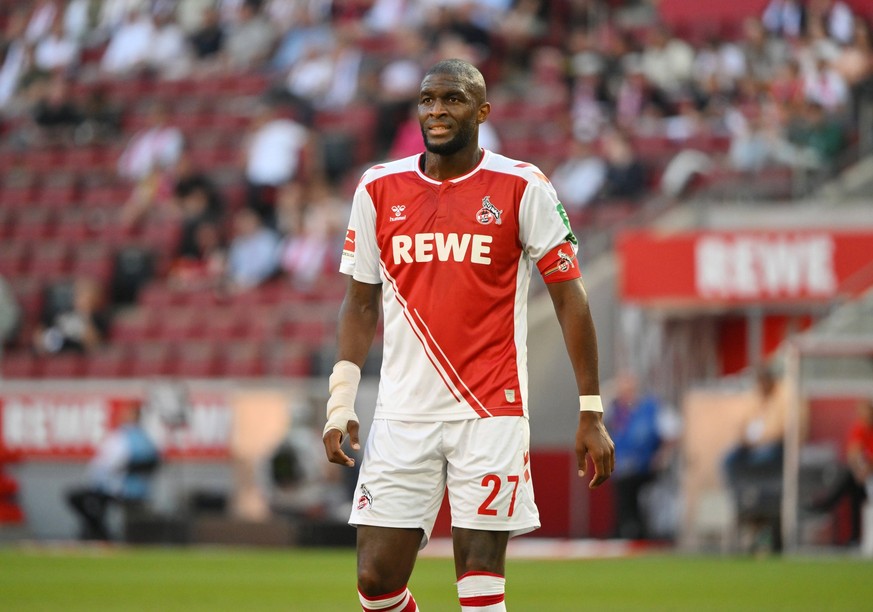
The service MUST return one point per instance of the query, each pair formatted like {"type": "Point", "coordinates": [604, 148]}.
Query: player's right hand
{"type": "Point", "coordinates": [333, 440]}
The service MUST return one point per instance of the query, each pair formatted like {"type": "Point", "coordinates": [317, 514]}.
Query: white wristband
{"type": "Point", "coordinates": [590, 403]}
{"type": "Point", "coordinates": [343, 387]}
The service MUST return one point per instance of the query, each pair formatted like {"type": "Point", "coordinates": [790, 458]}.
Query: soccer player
{"type": "Point", "coordinates": [446, 240]}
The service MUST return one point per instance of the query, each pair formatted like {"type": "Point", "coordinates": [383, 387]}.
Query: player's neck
{"type": "Point", "coordinates": [445, 167]}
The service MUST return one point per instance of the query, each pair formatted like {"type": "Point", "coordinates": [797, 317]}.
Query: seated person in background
{"type": "Point", "coordinates": [855, 480]}
{"type": "Point", "coordinates": [56, 114]}
{"type": "Point", "coordinates": [579, 178]}
{"type": "Point", "coordinates": [759, 450]}
{"type": "Point", "coordinates": [81, 328]}
{"type": "Point", "coordinates": [253, 256]}
{"type": "Point", "coordinates": [625, 174]}
{"type": "Point", "coordinates": [119, 473]}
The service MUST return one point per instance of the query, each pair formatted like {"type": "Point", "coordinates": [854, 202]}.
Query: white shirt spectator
{"type": "Point", "coordinates": [113, 13]}
{"type": "Point", "coordinates": [386, 16]}
{"type": "Point", "coordinates": [14, 65]}
{"type": "Point", "coordinates": [156, 147]}
{"type": "Point", "coordinates": [41, 21]}
{"type": "Point", "coordinates": [783, 18]}
{"type": "Point", "coordinates": [841, 22]}
{"type": "Point", "coordinates": [77, 21]}
{"type": "Point", "coordinates": [169, 52]}
{"type": "Point", "coordinates": [826, 87]}
{"type": "Point", "coordinates": [130, 45]}
{"type": "Point", "coordinates": [274, 152]}
{"type": "Point", "coordinates": [668, 66]}
{"type": "Point", "coordinates": [579, 179]}
{"type": "Point", "coordinates": [56, 51]}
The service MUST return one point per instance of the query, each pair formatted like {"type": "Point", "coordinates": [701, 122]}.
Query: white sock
{"type": "Point", "coordinates": [398, 601]}
{"type": "Point", "coordinates": [482, 592]}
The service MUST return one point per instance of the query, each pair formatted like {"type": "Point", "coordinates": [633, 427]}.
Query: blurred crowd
{"type": "Point", "coordinates": [581, 87]}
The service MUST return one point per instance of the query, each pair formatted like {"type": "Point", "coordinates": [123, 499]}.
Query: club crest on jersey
{"type": "Point", "coordinates": [366, 498]}
{"type": "Point", "coordinates": [489, 213]}
{"type": "Point", "coordinates": [566, 261]}
{"type": "Point", "coordinates": [398, 209]}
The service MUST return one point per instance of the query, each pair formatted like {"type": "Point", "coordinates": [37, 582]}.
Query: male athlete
{"type": "Point", "coordinates": [446, 240]}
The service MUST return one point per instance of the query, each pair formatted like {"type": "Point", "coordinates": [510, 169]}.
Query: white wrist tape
{"type": "Point", "coordinates": [590, 403]}
{"type": "Point", "coordinates": [343, 387]}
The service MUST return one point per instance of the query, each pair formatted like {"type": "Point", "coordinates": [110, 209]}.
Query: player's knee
{"type": "Point", "coordinates": [374, 584]}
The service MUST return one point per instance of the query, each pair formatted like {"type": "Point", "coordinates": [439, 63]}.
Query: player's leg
{"type": "Point", "coordinates": [386, 557]}
{"type": "Point", "coordinates": [400, 489]}
{"type": "Point", "coordinates": [480, 567]}
{"type": "Point", "coordinates": [491, 494]}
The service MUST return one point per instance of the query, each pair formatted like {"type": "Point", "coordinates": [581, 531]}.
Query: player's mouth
{"type": "Point", "coordinates": [438, 129]}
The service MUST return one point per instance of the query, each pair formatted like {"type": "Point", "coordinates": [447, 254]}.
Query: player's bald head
{"type": "Point", "coordinates": [465, 72]}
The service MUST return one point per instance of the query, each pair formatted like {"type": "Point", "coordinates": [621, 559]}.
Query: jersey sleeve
{"type": "Point", "coordinates": [545, 233]}
{"type": "Point", "coordinates": [360, 257]}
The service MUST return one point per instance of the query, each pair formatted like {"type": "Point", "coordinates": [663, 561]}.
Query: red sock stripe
{"type": "Point", "coordinates": [482, 600]}
{"type": "Point", "coordinates": [410, 605]}
{"type": "Point", "coordinates": [383, 597]}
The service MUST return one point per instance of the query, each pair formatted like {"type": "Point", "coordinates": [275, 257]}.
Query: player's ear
{"type": "Point", "coordinates": [484, 111]}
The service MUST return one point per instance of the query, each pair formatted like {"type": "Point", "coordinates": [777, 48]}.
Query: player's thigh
{"type": "Point", "coordinates": [386, 557]}
{"type": "Point", "coordinates": [479, 551]}
{"type": "Point", "coordinates": [488, 475]}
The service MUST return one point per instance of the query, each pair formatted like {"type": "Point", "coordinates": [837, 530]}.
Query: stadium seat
{"type": "Point", "coordinates": [35, 224]}
{"type": "Point", "coordinates": [134, 324]}
{"type": "Point", "coordinates": [111, 361]}
{"type": "Point", "coordinates": [93, 260]}
{"type": "Point", "coordinates": [154, 358]}
{"type": "Point", "coordinates": [20, 364]}
{"type": "Point", "coordinates": [199, 359]}
{"type": "Point", "coordinates": [13, 257]}
{"type": "Point", "coordinates": [242, 359]}
{"type": "Point", "coordinates": [64, 365]}
{"type": "Point", "coordinates": [50, 260]}
{"type": "Point", "coordinates": [290, 359]}
{"type": "Point", "coordinates": [180, 322]}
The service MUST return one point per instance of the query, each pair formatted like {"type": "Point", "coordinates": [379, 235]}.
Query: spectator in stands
{"type": "Point", "coordinates": [275, 150]}
{"type": "Point", "coordinates": [764, 54]}
{"type": "Point", "coordinates": [17, 58]}
{"type": "Point", "coordinates": [207, 41]}
{"type": "Point", "coordinates": [307, 32]}
{"type": "Point", "coordinates": [119, 473]}
{"type": "Point", "coordinates": [79, 20]}
{"type": "Point", "coordinates": [129, 45]}
{"type": "Point", "coordinates": [815, 139]}
{"type": "Point", "coordinates": [169, 54]}
{"type": "Point", "coordinates": [855, 61]}
{"type": "Point", "coordinates": [579, 178]}
{"type": "Point", "coordinates": [327, 77]}
{"type": "Point", "coordinates": [836, 16]}
{"type": "Point", "coordinates": [80, 328]}
{"type": "Point", "coordinates": [387, 16]}
{"type": "Point", "coordinates": [253, 256]}
{"type": "Point", "coordinates": [308, 251]}
{"type": "Point", "coordinates": [643, 439]}
{"type": "Point", "coordinates": [625, 173]}
{"type": "Point", "coordinates": [56, 113]}
{"type": "Point", "coordinates": [636, 95]}
{"type": "Point", "coordinates": [824, 86]}
{"type": "Point", "coordinates": [201, 264]}
{"type": "Point", "coordinates": [57, 50]}
{"type": "Point", "coordinates": [667, 61]}
{"type": "Point", "coordinates": [101, 118]}
{"type": "Point", "coordinates": [158, 145]}
{"type": "Point", "coordinates": [784, 18]}
{"type": "Point", "coordinates": [590, 100]}
{"type": "Point", "coordinates": [251, 39]}
{"type": "Point", "coordinates": [42, 16]}
{"type": "Point", "coordinates": [759, 446]}
{"type": "Point", "coordinates": [855, 479]}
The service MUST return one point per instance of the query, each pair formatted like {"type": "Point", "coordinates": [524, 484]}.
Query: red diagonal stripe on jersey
{"type": "Point", "coordinates": [436, 355]}
{"type": "Point", "coordinates": [420, 335]}
{"type": "Point", "coordinates": [450, 370]}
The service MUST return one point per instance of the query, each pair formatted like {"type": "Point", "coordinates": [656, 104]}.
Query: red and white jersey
{"type": "Point", "coordinates": [454, 260]}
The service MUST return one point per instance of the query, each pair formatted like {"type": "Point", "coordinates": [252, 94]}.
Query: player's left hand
{"type": "Point", "coordinates": [593, 439]}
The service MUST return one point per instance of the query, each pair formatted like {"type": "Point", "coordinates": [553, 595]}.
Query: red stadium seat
{"type": "Point", "coordinates": [133, 325]}
{"type": "Point", "coordinates": [20, 364]}
{"type": "Point", "coordinates": [35, 224]}
{"type": "Point", "coordinates": [50, 260]}
{"type": "Point", "coordinates": [151, 359]}
{"type": "Point", "coordinates": [180, 322]}
{"type": "Point", "coordinates": [290, 359]}
{"type": "Point", "coordinates": [197, 359]}
{"type": "Point", "coordinates": [65, 365]}
{"type": "Point", "coordinates": [243, 359]}
{"type": "Point", "coordinates": [14, 257]}
{"type": "Point", "coordinates": [112, 361]}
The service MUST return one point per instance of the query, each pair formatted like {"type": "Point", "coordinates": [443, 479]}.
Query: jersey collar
{"type": "Point", "coordinates": [485, 154]}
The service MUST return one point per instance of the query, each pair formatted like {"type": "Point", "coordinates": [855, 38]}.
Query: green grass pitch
{"type": "Point", "coordinates": [192, 579]}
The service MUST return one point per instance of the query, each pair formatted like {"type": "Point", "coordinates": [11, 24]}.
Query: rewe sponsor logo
{"type": "Point", "coordinates": [474, 248]}
{"type": "Point", "coordinates": [765, 266]}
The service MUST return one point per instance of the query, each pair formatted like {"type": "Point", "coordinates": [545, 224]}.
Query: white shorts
{"type": "Point", "coordinates": [485, 463]}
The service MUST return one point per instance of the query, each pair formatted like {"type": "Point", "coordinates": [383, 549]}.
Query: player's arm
{"type": "Point", "coordinates": [574, 315]}
{"type": "Point", "coordinates": [359, 316]}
